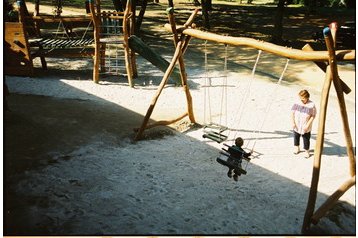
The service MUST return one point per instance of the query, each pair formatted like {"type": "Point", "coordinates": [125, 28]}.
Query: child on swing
{"type": "Point", "coordinates": [236, 155]}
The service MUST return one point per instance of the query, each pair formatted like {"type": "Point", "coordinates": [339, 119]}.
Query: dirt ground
{"type": "Point", "coordinates": [71, 167]}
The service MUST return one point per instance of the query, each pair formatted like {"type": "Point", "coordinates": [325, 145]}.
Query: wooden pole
{"type": "Point", "coordinates": [97, 49]}
{"type": "Point", "coordinates": [323, 67]}
{"type": "Point", "coordinates": [341, 55]}
{"type": "Point", "coordinates": [180, 46]}
{"type": "Point", "coordinates": [37, 8]}
{"type": "Point", "coordinates": [165, 78]}
{"type": "Point", "coordinates": [163, 122]}
{"type": "Point", "coordinates": [140, 17]}
{"type": "Point", "coordinates": [317, 153]}
{"type": "Point", "coordinates": [331, 75]}
{"type": "Point", "coordinates": [181, 60]}
{"type": "Point", "coordinates": [126, 32]}
{"type": "Point", "coordinates": [132, 27]}
{"type": "Point", "coordinates": [328, 204]}
{"type": "Point", "coordinates": [340, 96]}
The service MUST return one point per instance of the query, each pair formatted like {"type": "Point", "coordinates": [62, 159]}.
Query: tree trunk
{"type": "Point", "coordinates": [312, 6]}
{"type": "Point", "coordinates": [140, 16]}
{"type": "Point", "coordinates": [205, 6]}
{"type": "Point", "coordinates": [170, 3]}
{"type": "Point", "coordinates": [197, 3]}
{"type": "Point", "coordinates": [276, 37]}
{"type": "Point", "coordinates": [124, 4]}
{"type": "Point", "coordinates": [118, 5]}
{"type": "Point", "coordinates": [209, 4]}
{"type": "Point", "coordinates": [37, 8]}
{"type": "Point", "coordinates": [351, 4]}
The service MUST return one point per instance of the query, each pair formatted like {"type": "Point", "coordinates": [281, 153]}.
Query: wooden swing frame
{"type": "Point", "coordinates": [326, 60]}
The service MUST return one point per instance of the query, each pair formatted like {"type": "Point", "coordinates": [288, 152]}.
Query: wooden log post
{"type": "Point", "coordinates": [323, 67]}
{"type": "Point", "coordinates": [96, 34]}
{"type": "Point", "coordinates": [37, 8]}
{"type": "Point", "coordinates": [180, 47]}
{"type": "Point", "coordinates": [340, 96]}
{"type": "Point", "coordinates": [140, 17]}
{"type": "Point", "coordinates": [317, 153]}
{"type": "Point", "coordinates": [164, 122]}
{"type": "Point", "coordinates": [329, 203]}
{"type": "Point", "coordinates": [164, 81]}
{"type": "Point", "coordinates": [132, 27]}
{"type": "Point", "coordinates": [342, 55]}
{"type": "Point", "coordinates": [183, 74]}
{"type": "Point", "coordinates": [126, 32]}
{"type": "Point", "coordinates": [331, 75]}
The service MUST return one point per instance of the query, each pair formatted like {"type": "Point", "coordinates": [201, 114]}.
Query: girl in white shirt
{"type": "Point", "coordinates": [303, 114]}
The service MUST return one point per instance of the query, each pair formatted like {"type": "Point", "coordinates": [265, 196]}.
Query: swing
{"type": "Point", "coordinates": [231, 152]}
{"type": "Point", "coordinates": [234, 158]}
{"type": "Point", "coordinates": [269, 104]}
{"type": "Point", "coordinates": [214, 131]}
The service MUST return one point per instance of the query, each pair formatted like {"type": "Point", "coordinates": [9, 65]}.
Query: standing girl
{"type": "Point", "coordinates": [303, 114]}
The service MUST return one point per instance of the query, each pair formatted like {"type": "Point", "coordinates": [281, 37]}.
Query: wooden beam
{"type": "Point", "coordinates": [329, 203]}
{"type": "Point", "coordinates": [164, 81]}
{"type": "Point", "coordinates": [183, 74]}
{"type": "Point", "coordinates": [341, 55]}
{"type": "Point", "coordinates": [126, 32]}
{"type": "Point", "coordinates": [342, 105]}
{"type": "Point", "coordinates": [323, 67]}
{"type": "Point", "coordinates": [331, 75]}
{"type": "Point", "coordinates": [317, 153]}
{"type": "Point", "coordinates": [164, 122]}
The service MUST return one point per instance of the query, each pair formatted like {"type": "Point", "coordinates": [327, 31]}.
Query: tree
{"type": "Point", "coordinates": [206, 6]}
{"type": "Point", "coordinates": [312, 5]}
{"type": "Point", "coordinates": [276, 36]}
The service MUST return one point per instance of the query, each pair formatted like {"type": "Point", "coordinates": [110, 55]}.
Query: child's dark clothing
{"type": "Point", "coordinates": [306, 139]}
{"type": "Point", "coordinates": [235, 158]}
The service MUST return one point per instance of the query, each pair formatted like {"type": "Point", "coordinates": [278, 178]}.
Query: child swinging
{"type": "Point", "coordinates": [234, 158]}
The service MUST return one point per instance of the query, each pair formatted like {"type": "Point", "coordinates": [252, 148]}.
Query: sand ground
{"type": "Point", "coordinates": [73, 169]}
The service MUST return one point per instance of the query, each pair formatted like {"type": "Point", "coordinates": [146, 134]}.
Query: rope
{"type": "Point", "coordinates": [223, 103]}
{"type": "Point", "coordinates": [224, 89]}
{"type": "Point", "coordinates": [207, 84]}
{"type": "Point", "coordinates": [240, 108]}
{"type": "Point", "coordinates": [269, 104]}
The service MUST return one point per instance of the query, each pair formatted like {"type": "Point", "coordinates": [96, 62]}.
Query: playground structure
{"type": "Point", "coordinates": [70, 36]}
{"type": "Point", "coordinates": [326, 60]}
{"type": "Point", "coordinates": [112, 28]}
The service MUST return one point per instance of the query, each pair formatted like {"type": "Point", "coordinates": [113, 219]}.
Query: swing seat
{"type": "Point", "coordinates": [215, 136]}
{"type": "Point", "coordinates": [230, 165]}
{"type": "Point", "coordinates": [234, 154]}
{"type": "Point", "coordinates": [216, 133]}
{"type": "Point", "coordinates": [227, 154]}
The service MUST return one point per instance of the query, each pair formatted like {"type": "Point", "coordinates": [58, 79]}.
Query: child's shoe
{"type": "Point", "coordinates": [229, 174]}
{"type": "Point", "coordinates": [236, 177]}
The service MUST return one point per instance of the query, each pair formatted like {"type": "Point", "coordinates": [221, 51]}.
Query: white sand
{"type": "Point", "coordinates": [174, 185]}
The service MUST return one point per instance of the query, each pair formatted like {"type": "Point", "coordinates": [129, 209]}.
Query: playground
{"type": "Point", "coordinates": [72, 167]}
